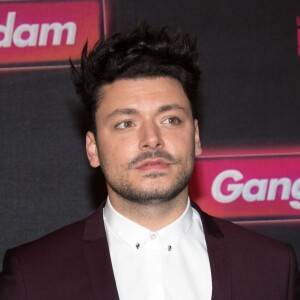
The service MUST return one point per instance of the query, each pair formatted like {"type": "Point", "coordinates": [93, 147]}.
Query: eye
{"type": "Point", "coordinates": [124, 124]}
{"type": "Point", "coordinates": [172, 121]}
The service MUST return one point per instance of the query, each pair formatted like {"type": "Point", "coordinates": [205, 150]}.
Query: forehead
{"type": "Point", "coordinates": [142, 94]}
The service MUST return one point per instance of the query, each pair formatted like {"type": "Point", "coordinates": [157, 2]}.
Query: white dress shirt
{"type": "Point", "coordinates": [169, 264]}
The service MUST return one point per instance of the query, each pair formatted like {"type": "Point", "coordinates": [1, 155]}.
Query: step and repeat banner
{"type": "Point", "coordinates": [249, 111]}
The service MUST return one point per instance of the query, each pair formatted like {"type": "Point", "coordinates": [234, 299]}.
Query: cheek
{"type": "Point", "coordinates": [183, 144]}
{"type": "Point", "coordinates": [116, 151]}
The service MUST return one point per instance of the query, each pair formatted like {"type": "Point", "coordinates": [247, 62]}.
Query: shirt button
{"type": "Point", "coordinates": [153, 236]}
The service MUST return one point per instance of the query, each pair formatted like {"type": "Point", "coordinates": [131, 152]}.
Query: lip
{"type": "Point", "coordinates": [153, 164]}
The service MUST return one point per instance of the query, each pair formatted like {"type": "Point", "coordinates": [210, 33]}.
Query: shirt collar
{"type": "Point", "coordinates": [136, 235]}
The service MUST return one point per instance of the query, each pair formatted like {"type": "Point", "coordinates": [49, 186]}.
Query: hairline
{"type": "Point", "coordinates": [99, 91]}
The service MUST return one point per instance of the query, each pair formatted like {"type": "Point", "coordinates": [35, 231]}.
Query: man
{"type": "Point", "coordinates": [149, 240]}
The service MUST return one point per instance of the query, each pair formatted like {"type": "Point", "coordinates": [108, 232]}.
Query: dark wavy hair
{"type": "Point", "coordinates": [143, 52]}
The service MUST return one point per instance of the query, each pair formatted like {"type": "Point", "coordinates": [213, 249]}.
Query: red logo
{"type": "Point", "coordinates": [260, 186]}
{"type": "Point", "coordinates": [48, 32]}
{"type": "Point", "coordinates": [230, 185]}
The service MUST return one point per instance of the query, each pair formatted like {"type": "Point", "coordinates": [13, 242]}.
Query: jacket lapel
{"type": "Point", "coordinates": [97, 258]}
{"type": "Point", "coordinates": [100, 270]}
{"type": "Point", "coordinates": [219, 257]}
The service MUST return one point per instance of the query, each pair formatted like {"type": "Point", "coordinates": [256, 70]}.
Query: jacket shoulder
{"type": "Point", "coordinates": [61, 246]}
{"type": "Point", "coordinates": [60, 238]}
{"type": "Point", "coordinates": [239, 236]}
{"type": "Point", "coordinates": [46, 267]}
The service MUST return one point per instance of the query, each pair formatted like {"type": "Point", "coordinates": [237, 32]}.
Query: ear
{"type": "Point", "coordinates": [198, 149]}
{"type": "Point", "coordinates": [91, 149]}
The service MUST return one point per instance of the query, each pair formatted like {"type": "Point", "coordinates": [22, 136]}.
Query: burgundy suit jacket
{"type": "Point", "coordinates": [73, 263]}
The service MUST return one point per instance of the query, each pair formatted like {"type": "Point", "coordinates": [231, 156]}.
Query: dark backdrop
{"type": "Point", "coordinates": [250, 95]}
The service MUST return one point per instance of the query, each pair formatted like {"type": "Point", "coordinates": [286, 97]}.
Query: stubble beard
{"type": "Point", "coordinates": [154, 195]}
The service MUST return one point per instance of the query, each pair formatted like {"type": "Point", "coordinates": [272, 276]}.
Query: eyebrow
{"type": "Point", "coordinates": [133, 111]}
{"type": "Point", "coordinates": [123, 111]}
{"type": "Point", "coordinates": [165, 108]}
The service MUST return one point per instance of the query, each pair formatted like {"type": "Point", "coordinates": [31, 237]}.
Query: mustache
{"type": "Point", "coordinates": [153, 154]}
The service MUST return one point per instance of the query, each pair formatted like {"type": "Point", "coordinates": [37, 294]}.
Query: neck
{"type": "Point", "coordinates": [153, 216]}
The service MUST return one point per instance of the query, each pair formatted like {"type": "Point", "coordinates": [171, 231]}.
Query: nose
{"type": "Point", "coordinates": [150, 138]}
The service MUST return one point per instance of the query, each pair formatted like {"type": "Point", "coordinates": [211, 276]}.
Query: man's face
{"type": "Point", "coordinates": [146, 139]}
